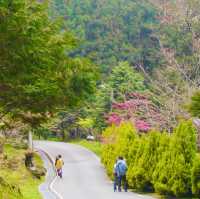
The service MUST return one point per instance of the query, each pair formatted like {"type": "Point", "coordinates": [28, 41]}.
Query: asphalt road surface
{"type": "Point", "coordinates": [83, 175]}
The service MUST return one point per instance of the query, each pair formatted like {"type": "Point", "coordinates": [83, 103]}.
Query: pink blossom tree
{"type": "Point", "coordinates": [140, 110]}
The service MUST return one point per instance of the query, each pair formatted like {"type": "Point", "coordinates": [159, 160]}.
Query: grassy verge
{"type": "Point", "coordinates": [15, 173]}
{"type": "Point", "coordinates": [93, 146]}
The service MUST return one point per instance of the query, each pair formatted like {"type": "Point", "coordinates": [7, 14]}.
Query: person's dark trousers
{"type": "Point", "coordinates": [122, 180]}
{"type": "Point", "coordinates": [59, 171]}
{"type": "Point", "coordinates": [115, 182]}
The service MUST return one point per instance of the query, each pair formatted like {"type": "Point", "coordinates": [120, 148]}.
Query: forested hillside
{"type": "Point", "coordinates": [113, 30]}
{"type": "Point", "coordinates": [158, 39]}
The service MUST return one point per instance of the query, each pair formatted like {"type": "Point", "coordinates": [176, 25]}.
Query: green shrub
{"type": "Point", "coordinates": [9, 190]}
{"type": "Point", "coordinates": [125, 136]}
{"type": "Point", "coordinates": [156, 161]}
{"type": "Point", "coordinates": [173, 171]}
{"type": "Point", "coordinates": [118, 141]}
{"type": "Point", "coordinates": [108, 158]}
{"type": "Point", "coordinates": [196, 176]}
{"type": "Point", "coordinates": [146, 158]}
{"type": "Point", "coordinates": [138, 180]}
{"type": "Point", "coordinates": [160, 175]}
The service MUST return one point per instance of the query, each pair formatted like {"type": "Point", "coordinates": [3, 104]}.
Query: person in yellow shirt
{"type": "Point", "coordinates": [59, 164]}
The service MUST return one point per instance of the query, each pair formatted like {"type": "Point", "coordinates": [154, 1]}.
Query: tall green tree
{"type": "Point", "coordinates": [37, 74]}
{"type": "Point", "coordinates": [123, 79]}
{"type": "Point", "coordinates": [196, 176]}
{"type": "Point", "coordinates": [173, 171]}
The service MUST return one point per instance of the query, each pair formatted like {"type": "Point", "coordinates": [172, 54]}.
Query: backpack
{"type": "Point", "coordinates": [121, 168]}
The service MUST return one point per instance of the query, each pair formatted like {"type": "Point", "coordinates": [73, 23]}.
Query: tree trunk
{"type": "Point", "coordinates": [2, 140]}
{"type": "Point", "coordinates": [30, 140]}
{"type": "Point", "coordinates": [29, 159]}
{"type": "Point", "coordinates": [1, 148]}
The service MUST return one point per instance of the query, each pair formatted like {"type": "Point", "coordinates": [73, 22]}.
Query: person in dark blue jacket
{"type": "Point", "coordinates": [121, 169]}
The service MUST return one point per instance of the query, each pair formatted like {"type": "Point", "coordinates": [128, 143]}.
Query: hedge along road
{"type": "Point", "coordinates": [83, 175]}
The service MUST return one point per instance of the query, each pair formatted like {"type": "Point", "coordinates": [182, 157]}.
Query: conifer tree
{"type": "Point", "coordinates": [37, 75]}
{"type": "Point", "coordinates": [196, 176]}
{"type": "Point", "coordinates": [173, 172]}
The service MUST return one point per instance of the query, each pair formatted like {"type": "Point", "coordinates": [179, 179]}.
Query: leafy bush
{"type": "Point", "coordinates": [173, 172]}
{"type": "Point", "coordinates": [166, 163]}
{"type": "Point", "coordinates": [196, 176]}
{"type": "Point", "coordinates": [108, 158]}
{"type": "Point", "coordinates": [145, 160]}
{"type": "Point", "coordinates": [118, 141]}
{"type": "Point", "coordinates": [9, 190]}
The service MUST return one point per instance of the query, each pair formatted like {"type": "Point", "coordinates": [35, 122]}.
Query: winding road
{"type": "Point", "coordinates": [83, 175]}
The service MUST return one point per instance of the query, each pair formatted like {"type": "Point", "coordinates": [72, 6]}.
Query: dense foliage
{"type": "Point", "coordinates": [168, 164]}
{"type": "Point", "coordinates": [121, 83]}
{"type": "Point", "coordinates": [196, 176]}
{"type": "Point", "coordinates": [113, 31]}
{"type": "Point", "coordinates": [148, 53]}
{"type": "Point", "coordinates": [153, 35]}
{"type": "Point", "coordinates": [194, 106]}
{"type": "Point", "coordinates": [178, 78]}
{"type": "Point", "coordinates": [37, 74]}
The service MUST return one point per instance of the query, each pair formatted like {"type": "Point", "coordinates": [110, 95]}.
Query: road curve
{"type": "Point", "coordinates": [83, 175]}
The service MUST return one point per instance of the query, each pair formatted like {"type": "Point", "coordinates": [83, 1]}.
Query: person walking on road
{"type": "Point", "coordinates": [115, 176]}
{"type": "Point", "coordinates": [59, 164]}
{"type": "Point", "coordinates": [121, 169]}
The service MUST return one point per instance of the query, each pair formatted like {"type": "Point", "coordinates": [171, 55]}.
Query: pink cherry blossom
{"type": "Point", "coordinates": [142, 125]}
{"type": "Point", "coordinates": [114, 118]}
